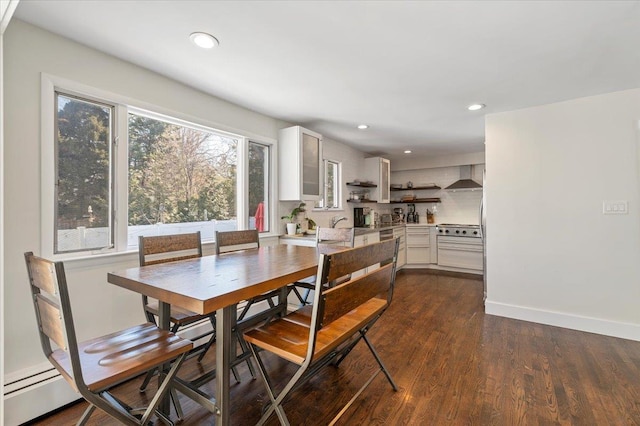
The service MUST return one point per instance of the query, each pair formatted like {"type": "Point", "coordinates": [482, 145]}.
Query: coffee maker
{"type": "Point", "coordinates": [360, 215]}
{"type": "Point", "coordinates": [398, 215]}
{"type": "Point", "coordinates": [412, 215]}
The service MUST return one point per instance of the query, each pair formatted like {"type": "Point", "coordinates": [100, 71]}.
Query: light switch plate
{"type": "Point", "coordinates": [615, 207]}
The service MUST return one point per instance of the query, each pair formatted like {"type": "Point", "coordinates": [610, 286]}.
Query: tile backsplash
{"type": "Point", "coordinates": [455, 207]}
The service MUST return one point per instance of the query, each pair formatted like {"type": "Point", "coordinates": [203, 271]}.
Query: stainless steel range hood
{"type": "Point", "coordinates": [465, 183]}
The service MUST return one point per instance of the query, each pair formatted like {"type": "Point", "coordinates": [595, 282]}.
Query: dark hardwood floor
{"type": "Point", "coordinates": [453, 365]}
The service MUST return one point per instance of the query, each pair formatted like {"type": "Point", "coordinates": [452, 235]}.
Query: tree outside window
{"type": "Point", "coordinates": [182, 177]}
{"type": "Point", "coordinates": [83, 175]}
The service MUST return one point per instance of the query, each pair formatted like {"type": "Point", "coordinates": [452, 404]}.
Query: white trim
{"type": "Point", "coordinates": [7, 8]}
{"type": "Point", "coordinates": [242, 185]}
{"type": "Point", "coordinates": [90, 91]}
{"type": "Point", "coordinates": [121, 179]}
{"type": "Point", "coordinates": [6, 17]}
{"type": "Point", "coordinates": [565, 320]}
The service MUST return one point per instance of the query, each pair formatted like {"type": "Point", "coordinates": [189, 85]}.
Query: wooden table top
{"type": "Point", "coordinates": [206, 284]}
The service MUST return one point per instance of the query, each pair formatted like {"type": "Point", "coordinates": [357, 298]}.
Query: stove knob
{"type": "Point", "coordinates": [457, 231]}
{"type": "Point", "coordinates": [446, 231]}
{"type": "Point", "coordinates": [464, 232]}
{"type": "Point", "coordinates": [475, 232]}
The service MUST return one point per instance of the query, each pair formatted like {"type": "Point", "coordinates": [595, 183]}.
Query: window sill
{"type": "Point", "coordinates": [320, 210]}
{"type": "Point", "coordinates": [128, 257]}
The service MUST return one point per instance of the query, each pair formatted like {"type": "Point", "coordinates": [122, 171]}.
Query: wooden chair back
{"type": "Point", "coordinates": [169, 248]}
{"type": "Point", "coordinates": [93, 367]}
{"type": "Point", "coordinates": [337, 301]}
{"type": "Point", "coordinates": [236, 240]}
{"type": "Point", "coordinates": [335, 236]}
{"type": "Point", "coordinates": [53, 312]}
{"type": "Point", "coordinates": [340, 318]}
{"type": "Point", "coordinates": [162, 249]}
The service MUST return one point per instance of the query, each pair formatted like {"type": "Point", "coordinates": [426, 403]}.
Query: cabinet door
{"type": "Point", "coordinates": [310, 165]}
{"type": "Point", "coordinates": [378, 170]}
{"type": "Point", "coordinates": [418, 245]}
{"type": "Point", "coordinates": [417, 255]}
{"type": "Point", "coordinates": [299, 164]}
{"type": "Point", "coordinates": [363, 240]}
{"type": "Point", "coordinates": [402, 247]}
{"type": "Point", "coordinates": [384, 185]}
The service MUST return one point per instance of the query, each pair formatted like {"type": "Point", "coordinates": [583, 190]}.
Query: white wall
{"type": "Point", "coordinates": [352, 168]}
{"type": "Point", "coordinates": [411, 162]}
{"type": "Point", "coordinates": [553, 257]}
{"type": "Point", "coordinates": [98, 307]}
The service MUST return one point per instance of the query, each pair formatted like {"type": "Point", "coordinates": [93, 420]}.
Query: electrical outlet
{"type": "Point", "coordinates": [615, 207]}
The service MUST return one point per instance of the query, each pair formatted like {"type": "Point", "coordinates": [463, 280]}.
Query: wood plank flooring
{"type": "Point", "coordinates": [453, 364]}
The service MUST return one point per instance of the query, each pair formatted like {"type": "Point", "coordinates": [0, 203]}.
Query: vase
{"type": "Point", "coordinates": [291, 228]}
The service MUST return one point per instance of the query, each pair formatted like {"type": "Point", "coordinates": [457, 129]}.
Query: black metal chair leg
{"type": "Point", "coordinates": [147, 379]}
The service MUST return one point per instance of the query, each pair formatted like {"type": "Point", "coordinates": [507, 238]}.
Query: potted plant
{"type": "Point", "coordinates": [312, 226]}
{"type": "Point", "coordinates": [291, 217]}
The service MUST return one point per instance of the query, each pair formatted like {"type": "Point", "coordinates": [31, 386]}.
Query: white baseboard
{"type": "Point", "coordinates": [565, 320]}
{"type": "Point", "coordinates": [441, 268]}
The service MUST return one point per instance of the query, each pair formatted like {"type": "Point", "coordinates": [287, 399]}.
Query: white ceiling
{"type": "Point", "coordinates": [407, 69]}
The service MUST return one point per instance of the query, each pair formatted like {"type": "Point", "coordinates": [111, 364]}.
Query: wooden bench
{"type": "Point", "coordinates": [338, 319]}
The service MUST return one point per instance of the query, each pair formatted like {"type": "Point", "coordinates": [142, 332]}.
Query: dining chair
{"type": "Point", "coordinates": [327, 331]}
{"type": "Point", "coordinates": [324, 237]}
{"type": "Point", "coordinates": [153, 250]}
{"type": "Point", "coordinates": [230, 241]}
{"type": "Point", "coordinates": [95, 366]}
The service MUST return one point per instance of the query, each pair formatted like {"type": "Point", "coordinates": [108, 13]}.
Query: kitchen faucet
{"type": "Point", "coordinates": [336, 219]}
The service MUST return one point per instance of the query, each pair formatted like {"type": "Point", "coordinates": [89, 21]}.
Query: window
{"type": "Point", "coordinates": [181, 178]}
{"type": "Point", "coordinates": [118, 172]}
{"type": "Point", "coordinates": [83, 195]}
{"type": "Point", "coordinates": [258, 187]}
{"type": "Point", "coordinates": [331, 198]}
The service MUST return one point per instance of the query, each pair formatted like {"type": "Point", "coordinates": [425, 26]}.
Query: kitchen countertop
{"type": "Point", "coordinates": [359, 231]}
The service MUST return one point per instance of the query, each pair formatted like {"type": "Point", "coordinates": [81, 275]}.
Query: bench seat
{"type": "Point", "coordinates": [289, 337]}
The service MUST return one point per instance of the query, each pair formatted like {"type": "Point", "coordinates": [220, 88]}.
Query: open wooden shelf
{"type": "Point", "coordinates": [362, 184]}
{"type": "Point", "coordinates": [416, 188]}
{"type": "Point", "coordinates": [417, 201]}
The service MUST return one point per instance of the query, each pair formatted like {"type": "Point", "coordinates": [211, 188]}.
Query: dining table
{"type": "Point", "coordinates": [217, 284]}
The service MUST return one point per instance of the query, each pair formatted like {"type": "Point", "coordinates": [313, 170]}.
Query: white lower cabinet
{"type": "Point", "coordinates": [418, 245]}
{"type": "Point", "coordinates": [363, 240]}
{"type": "Point", "coordinates": [460, 252]}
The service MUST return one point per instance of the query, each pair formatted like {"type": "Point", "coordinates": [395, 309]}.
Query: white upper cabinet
{"type": "Point", "coordinates": [378, 170]}
{"type": "Point", "coordinates": [299, 165]}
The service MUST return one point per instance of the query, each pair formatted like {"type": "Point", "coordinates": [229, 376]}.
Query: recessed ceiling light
{"type": "Point", "coordinates": [204, 40]}
{"type": "Point", "coordinates": [363, 126]}
{"type": "Point", "coordinates": [475, 107]}
{"type": "Point", "coordinates": [408, 151]}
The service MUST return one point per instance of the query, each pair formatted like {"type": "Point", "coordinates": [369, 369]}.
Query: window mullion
{"type": "Point", "coordinates": [121, 178]}
{"type": "Point", "coordinates": [242, 184]}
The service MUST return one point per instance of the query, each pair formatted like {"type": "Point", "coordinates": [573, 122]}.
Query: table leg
{"type": "Point", "coordinates": [164, 321]}
{"type": "Point", "coordinates": [224, 324]}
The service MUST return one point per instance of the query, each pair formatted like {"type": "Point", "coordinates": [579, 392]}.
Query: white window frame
{"type": "Point", "coordinates": [270, 184]}
{"type": "Point", "coordinates": [124, 105]}
{"type": "Point", "coordinates": [325, 185]}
